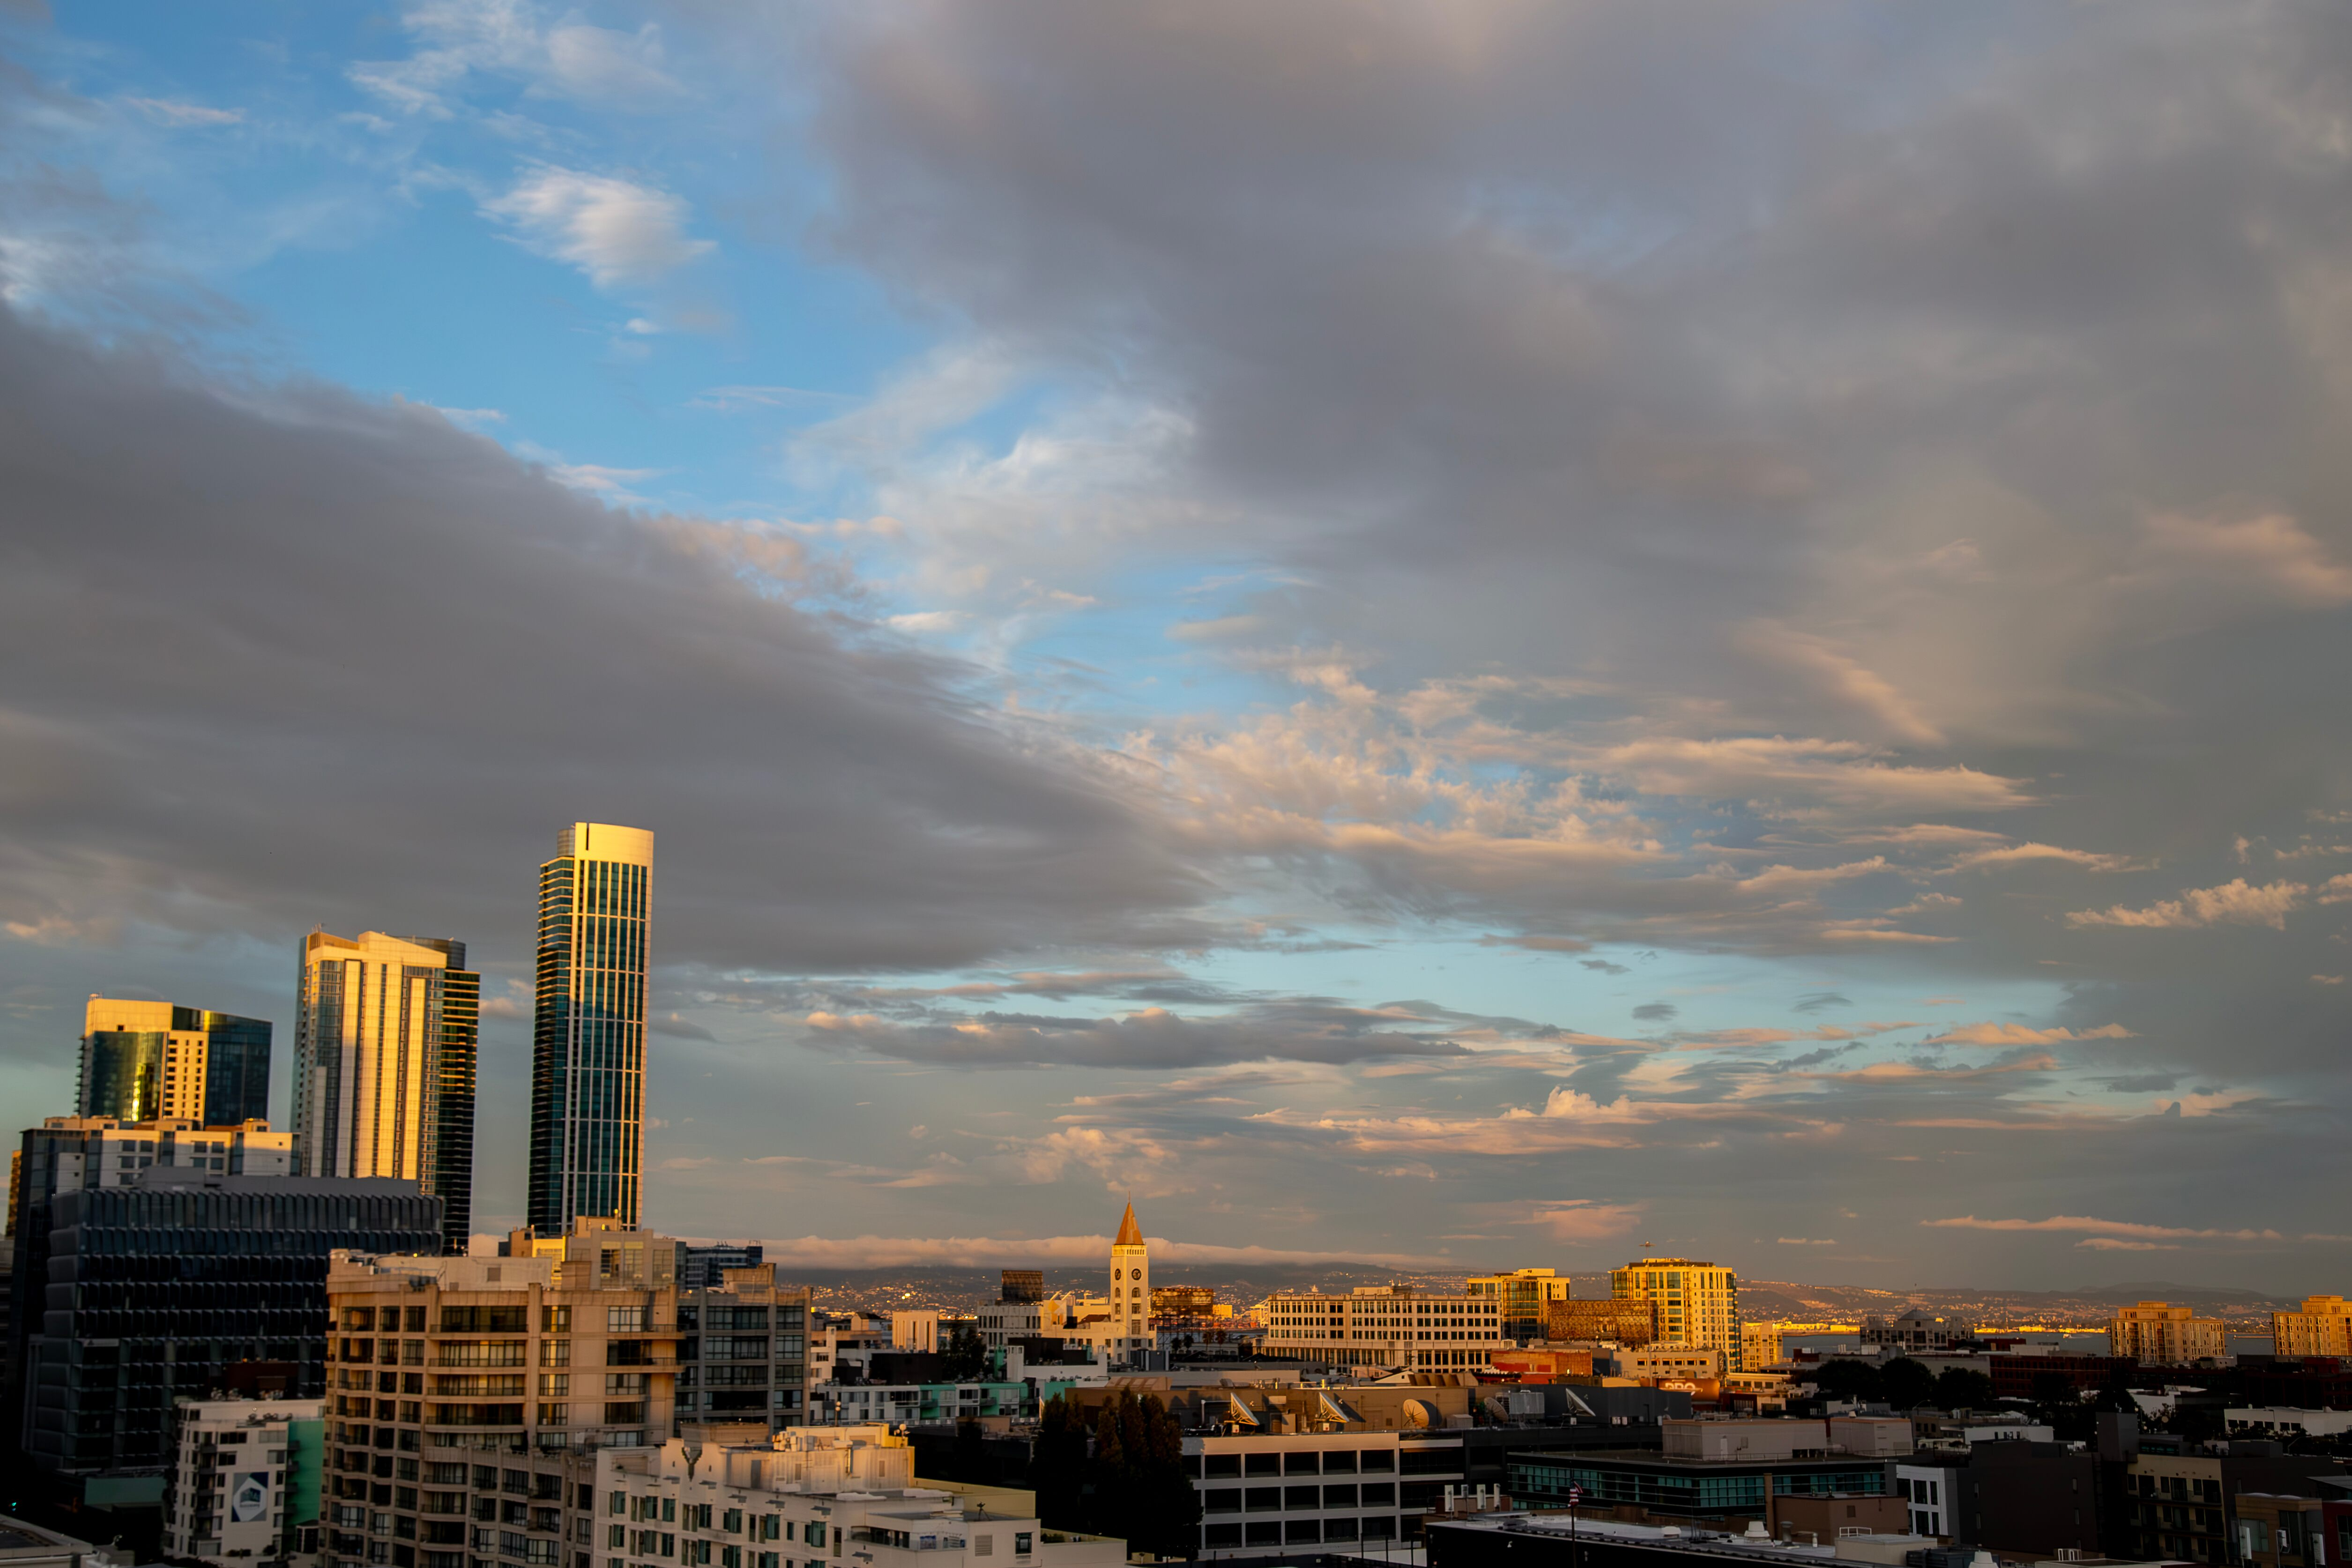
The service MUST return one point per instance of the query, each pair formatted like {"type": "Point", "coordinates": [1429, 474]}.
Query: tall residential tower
{"type": "Point", "coordinates": [384, 1040]}
{"type": "Point", "coordinates": [588, 1032]}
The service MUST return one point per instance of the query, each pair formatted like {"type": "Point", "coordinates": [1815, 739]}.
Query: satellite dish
{"type": "Point", "coordinates": [1417, 1413]}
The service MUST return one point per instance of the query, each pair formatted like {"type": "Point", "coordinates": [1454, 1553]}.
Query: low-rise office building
{"type": "Point", "coordinates": [245, 1480]}
{"type": "Point", "coordinates": [1266, 1495]}
{"type": "Point", "coordinates": [1387, 1326]}
{"type": "Point", "coordinates": [1916, 1329]}
{"type": "Point", "coordinates": [1721, 1471]}
{"type": "Point", "coordinates": [902, 1404]}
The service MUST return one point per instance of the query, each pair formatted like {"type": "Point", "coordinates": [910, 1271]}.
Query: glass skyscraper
{"type": "Point", "coordinates": [384, 1040]}
{"type": "Point", "coordinates": [588, 1036]}
{"type": "Point", "coordinates": [143, 1060]}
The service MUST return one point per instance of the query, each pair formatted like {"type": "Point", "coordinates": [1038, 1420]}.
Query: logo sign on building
{"type": "Point", "coordinates": [248, 1497]}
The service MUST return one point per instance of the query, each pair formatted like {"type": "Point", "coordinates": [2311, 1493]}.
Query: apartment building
{"type": "Point", "coordinates": [469, 1397]}
{"type": "Point", "coordinates": [1695, 1301]}
{"type": "Point", "coordinates": [743, 1349]}
{"type": "Point", "coordinates": [1389, 1326]}
{"type": "Point", "coordinates": [245, 1480]}
{"type": "Point", "coordinates": [2324, 1327]}
{"type": "Point", "coordinates": [2155, 1334]}
{"type": "Point", "coordinates": [809, 1496]}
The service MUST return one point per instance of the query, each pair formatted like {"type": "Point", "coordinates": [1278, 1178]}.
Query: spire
{"type": "Point", "coordinates": [1128, 1236]}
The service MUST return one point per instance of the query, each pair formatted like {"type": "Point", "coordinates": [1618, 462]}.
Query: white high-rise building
{"type": "Point", "coordinates": [1130, 1290]}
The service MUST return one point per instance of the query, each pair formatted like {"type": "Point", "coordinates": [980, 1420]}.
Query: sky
{"type": "Point", "coordinates": [1463, 633]}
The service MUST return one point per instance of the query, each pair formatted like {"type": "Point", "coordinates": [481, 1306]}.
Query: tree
{"type": "Point", "coordinates": [1963, 1388]}
{"type": "Point", "coordinates": [1844, 1379]}
{"type": "Point", "coordinates": [1906, 1384]}
{"type": "Point", "coordinates": [1057, 1466]}
{"type": "Point", "coordinates": [970, 1462]}
{"type": "Point", "coordinates": [1123, 1474]}
{"type": "Point", "coordinates": [966, 1357]}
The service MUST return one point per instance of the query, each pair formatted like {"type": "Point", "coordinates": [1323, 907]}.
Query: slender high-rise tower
{"type": "Point", "coordinates": [588, 1033]}
{"type": "Point", "coordinates": [384, 1035]}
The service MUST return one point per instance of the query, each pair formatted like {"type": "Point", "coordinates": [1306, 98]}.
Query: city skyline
{"type": "Point", "coordinates": [1459, 635]}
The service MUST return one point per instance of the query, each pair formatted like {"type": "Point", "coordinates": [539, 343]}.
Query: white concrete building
{"type": "Point", "coordinates": [245, 1481]}
{"type": "Point", "coordinates": [842, 1493]}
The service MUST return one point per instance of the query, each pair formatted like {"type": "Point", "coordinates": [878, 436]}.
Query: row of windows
{"type": "Point", "coordinates": [1297, 1531]}
{"type": "Point", "coordinates": [1274, 1499]}
{"type": "Point", "coordinates": [1301, 1462]}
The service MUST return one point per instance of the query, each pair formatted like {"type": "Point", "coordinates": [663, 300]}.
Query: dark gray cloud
{"type": "Point", "coordinates": [276, 656]}
{"type": "Point", "coordinates": [1657, 1012]}
{"type": "Point", "coordinates": [1819, 1001]}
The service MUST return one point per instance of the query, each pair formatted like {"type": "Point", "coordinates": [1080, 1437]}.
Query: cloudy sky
{"type": "Point", "coordinates": [1467, 630]}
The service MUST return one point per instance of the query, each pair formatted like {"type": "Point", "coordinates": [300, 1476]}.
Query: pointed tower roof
{"type": "Point", "coordinates": [1128, 1236]}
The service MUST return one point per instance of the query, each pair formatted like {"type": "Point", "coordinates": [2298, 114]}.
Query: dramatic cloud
{"type": "Point", "coordinates": [361, 667]}
{"type": "Point", "coordinates": [2234, 902]}
{"type": "Point", "coordinates": [2018, 1034]}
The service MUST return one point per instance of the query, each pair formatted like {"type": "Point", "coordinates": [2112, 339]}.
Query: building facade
{"type": "Point", "coordinates": [244, 1478]}
{"type": "Point", "coordinates": [743, 1350]}
{"type": "Point", "coordinates": [180, 1285]}
{"type": "Point", "coordinates": [1525, 1296]}
{"type": "Point", "coordinates": [2324, 1327]}
{"type": "Point", "coordinates": [142, 1061]}
{"type": "Point", "coordinates": [1760, 1345]}
{"type": "Point", "coordinates": [588, 1028]}
{"type": "Point", "coordinates": [1387, 1326]}
{"type": "Point", "coordinates": [1917, 1329]}
{"type": "Point", "coordinates": [705, 1268]}
{"type": "Point", "coordinates": [845, 1494]}
{"type": "Point", "coordinates": [1262, 1495]}
{"type": "Point", "coordinates": [2157, 1335]}
{"type": "Point", "coordinates": [1627, 1323]}
{"type": "Point", "coordinates": [469, 1397]}
{"type": "Point", "coordinates": [385, 1034]}
{"type": "Point", "coordinates": [1696, 1303]}
{"type": "Point", "coordinates": [65, 1154]}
